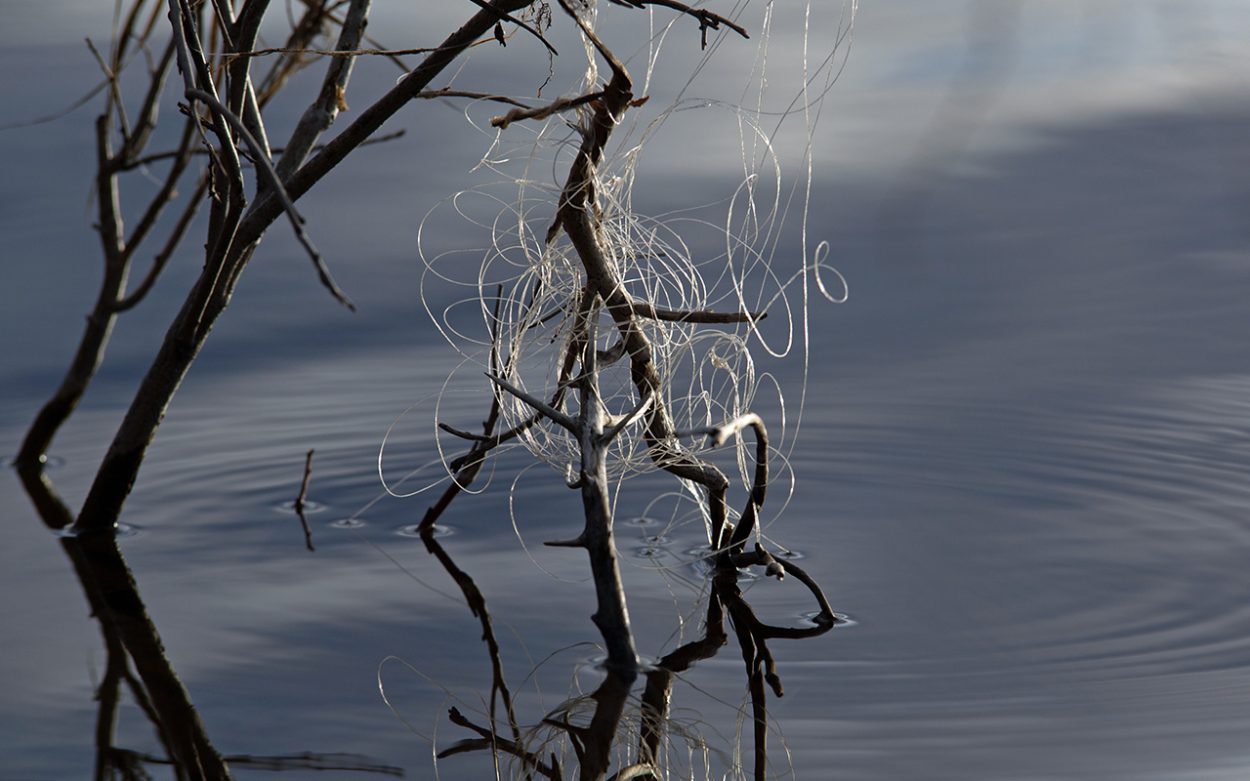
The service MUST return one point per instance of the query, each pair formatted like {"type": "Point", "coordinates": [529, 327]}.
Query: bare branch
{"type": "Point", "coordinates": [331, 52]}
{"type": "Point", "coordinates": [707, 19]}
{"type": "Point", "coordinates": [542, 112]}
{"type": "Point", "coordinates": [469, 435]}
{"type": "Point", "coordinates": [267, 209]}
{"type": "Point", "coordinates": [182, 157]}
{"type": "Point", "coordinates": [538, 404]}
{"type": "Point", "coordinates": [759, 487]}
{"type": "Point", "coordinates": [159, 156]}
{"type": "Point", "coordinates": [138, 138]}
{"type": "Point", "coordinates": [266, 169]}
{"type": "Point", "coordinates": [642, 406]}
{"type": "Point", "coordinates": [114, 89]}
{"type": "Point", "coordinates": [322, 112]}
{"type": "Point", "coordinates": [643, 309]}
{"type": "Point", "coordinates": [43, 119]}
{"type": "Point", "coordinates": [507, 17]}
{"type": "Point", "coordinates": [167, 250]}
{"type": "Point", "coordinates": [301, 497]}
{"type": "Point", "coordinates": [446, 92]}
{"type": "Point", "coordinates": [303, 487]}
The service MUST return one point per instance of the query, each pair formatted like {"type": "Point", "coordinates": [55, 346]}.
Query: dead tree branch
{"type": "Point", "coordinates": [234, 232]}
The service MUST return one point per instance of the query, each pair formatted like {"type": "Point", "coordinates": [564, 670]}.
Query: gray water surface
{"type": "Point", "coordinates": [1021, 470]}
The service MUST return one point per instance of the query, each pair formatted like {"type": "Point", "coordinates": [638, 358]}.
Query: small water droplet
{"type": "Point", "coordinates": [347, 523]}
{"type": "Point", "coordinates": [48, 462]}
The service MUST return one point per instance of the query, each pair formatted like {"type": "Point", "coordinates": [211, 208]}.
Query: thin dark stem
{"type": "Point", "coordinates": [270, 176]}
{"type": "Point", "coordinates": [302, 496]}
{"type": "Point", "coordinates": [477, 606]}
{"type": "Point", "coordinates": [578, 217]}
{"type": "Point", "coordinates": [100, 321]}
{"type": "Point", "coordinates": [171, 243]}
{"type": "Point", "coordinates": [321, 113]}
{"type": "Point", "coordinates": [707, 20]}
{"type": "Point", "coordinates": [182, 157]}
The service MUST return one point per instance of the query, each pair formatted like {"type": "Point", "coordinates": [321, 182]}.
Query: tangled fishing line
{"type": "Point", "coordinates": [526, 286]}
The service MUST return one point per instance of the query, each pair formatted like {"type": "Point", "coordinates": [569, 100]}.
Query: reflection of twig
{"type": "Point", "coordinates": [130, 636]}
{"type": "Point", "coordinates": [303, 495]}
{"type": "Point", "coordinates": [114, 598]}
{"type": "Point", "coordinates": [477, 606]}
{"type": "Point", "coordinates": [753, 635]}
{"type": "Point", "coordinates": [491, 740]}
{"type": "Point", "coordinates": [658, 694]}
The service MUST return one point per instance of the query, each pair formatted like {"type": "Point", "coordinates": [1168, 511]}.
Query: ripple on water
{"type": "Point", "coordinates": [120, 531]}
{"type": "Point", "coordinates": [310, 508]}
{"type": "Point", "coordinates": [1103, 539]}
{"type": "Point", "coordinates": [414, 530]}
{"type": "Point", "coordinates": [840, 620]}
{"type": "Point", "coordinates": [48, 462]}
{"type": "Point", "coordinates": [642, 521]}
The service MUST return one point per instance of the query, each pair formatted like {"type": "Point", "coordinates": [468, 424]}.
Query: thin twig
{"type": "Point", "coordinates": [271, 176]}
{"type": "Point", "coordinates": [577, 216]}
{"type": "Point", "coordinates": [43, 119]}
{"type": "Point", "coordinates": [643, 309]}
{"type": "Point", "coordinates": [159, 156]}
{"type": "Point", "coordinates": [507, 17]}
{"type": "Point", "coordinates": [300, 499]}
{"type": "Point", "coordinates": [325, 108]}
{"type": "Point", "coordinates": [538, 404]}
{"type": "Point", "coordinates": [542, 112]}
{"type": "Point", "coordinates": [611, 433]}
{"type": "Point", "coordinates": [447, 92]}
{"type": "Point", "coordinates": [469, 435]}
{"type": "Point", "coordinates": [167, 191]}
{"type": "Point", "coordinates": [303, 488]}
{"type": "Point", "coordinates": [167, 250]}
{"type": "Point", "coordinates": [329, 52]}
{"type": "Point", "coordinates": [707, 19]}
{"type": "Point", "coordinates": [114, 91]}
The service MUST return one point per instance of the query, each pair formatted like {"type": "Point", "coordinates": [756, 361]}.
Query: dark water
{"type": "Point", "coordinates": [1022, 468]}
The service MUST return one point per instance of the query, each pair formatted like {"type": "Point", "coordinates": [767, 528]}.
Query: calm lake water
{"type": "Point", "coordinates": [1022, 469]}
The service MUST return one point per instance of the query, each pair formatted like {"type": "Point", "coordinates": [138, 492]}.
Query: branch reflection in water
{"type": "Point", "coordinates": [601, 731]}
{"type": "Point", "coordinates": [135, 656]}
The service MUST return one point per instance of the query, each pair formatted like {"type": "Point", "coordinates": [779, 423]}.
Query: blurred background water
{"type": "Point", "coordinates": [1021, 470]}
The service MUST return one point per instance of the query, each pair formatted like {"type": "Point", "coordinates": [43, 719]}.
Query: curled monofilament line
{"type": "Point", "coordinates": [661, 261]}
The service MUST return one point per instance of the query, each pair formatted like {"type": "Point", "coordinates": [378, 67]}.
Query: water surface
{"type": "Point", "coordinates": [1021, 468]}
